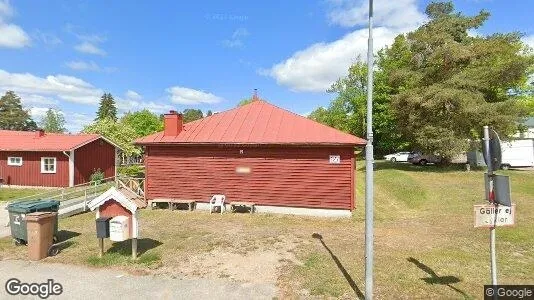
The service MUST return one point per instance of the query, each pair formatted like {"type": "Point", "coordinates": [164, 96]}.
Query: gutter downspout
{"type": "Point", "coordinates": [71, 166]}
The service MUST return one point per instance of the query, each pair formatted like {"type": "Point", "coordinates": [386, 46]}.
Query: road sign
{"type": "Point", "coordinates": [488, 215]}
{"type": "Point", "coordinates": [501, 189]}
{"type": "Point", "coordinates": [494, 151]}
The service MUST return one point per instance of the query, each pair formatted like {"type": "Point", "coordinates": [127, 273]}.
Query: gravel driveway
{"type": "Point", "coordinates": [86, 283]}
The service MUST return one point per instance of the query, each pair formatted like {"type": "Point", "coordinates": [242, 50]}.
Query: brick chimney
{"type": "Point", "coordinates": [173, 123]}
{"type": "Point", "coordinates": [39, 132]}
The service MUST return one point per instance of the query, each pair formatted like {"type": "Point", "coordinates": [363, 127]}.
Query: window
{"type": "Point", "coordinates": [14, 161]}
{"type": "Point", "coordinates": [48, 165]}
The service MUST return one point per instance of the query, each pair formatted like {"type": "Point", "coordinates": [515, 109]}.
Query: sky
{"type": "Point", "coordinates": [162, 55]}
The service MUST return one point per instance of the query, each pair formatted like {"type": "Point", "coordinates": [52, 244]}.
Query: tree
{"type": "Point", "coordinates": [192, 115]}
{"type": "Point", "coordinates": [347, 111]}
{"type": "Point", "coordinates": [117, 132]}
{"type": "Point", "coordinates": [209, 113]}
{"type": "Point", "coordinates": [143, 122]}
{"type": "Point", "coordinates": [107, 108]}
{"type": "Point", "coordinates": [12, 115]}
{"type": "Point", "coordinates": [445, 85]}
{"type": "Point", "coordinates": [53, 121]}
{"type": "Point", "coordinates": [245, 101]}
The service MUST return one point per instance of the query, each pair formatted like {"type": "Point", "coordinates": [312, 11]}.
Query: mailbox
{"type": "Point", "coordinates": [119, 228]}
{"type": "Point", "coordinates": [102, 227]}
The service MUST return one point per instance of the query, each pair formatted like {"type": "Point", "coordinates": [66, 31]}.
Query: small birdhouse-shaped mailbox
{"type": "Point", "coordinates": [116, 218]}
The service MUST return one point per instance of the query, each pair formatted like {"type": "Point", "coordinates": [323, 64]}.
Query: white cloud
{"type": "Point", "coordinates": [529, 40]}
{"type": "Point", "coordinates": [49, 39]}
{"type": "Point", "coordinates": [183, 95]}
{"type": "Point", "coordinates": [80, 65]}
{"type": "Point", "coordinates": [11, 35]}
{"type": "Point", "coordinates": [62, 87]}
{"type": "Point", "coordinates": [124, 105]}
{"type": "Point", "coordinates": [38, 113]}
{"type": "Point", "coordinates": [316, 67]}
{"type": "Point", "coordinates": [29, 99]}
{"type": "Point", "coordinates": [133, 95]}
{"type": "Point", "coordinates": [399, 13]}
{"type": "Point", "coordinates": [236, 41]}
{"type": "Point", "coordinates": [89, 48]}
{"type": "Point", "coordinates": [76, 121]}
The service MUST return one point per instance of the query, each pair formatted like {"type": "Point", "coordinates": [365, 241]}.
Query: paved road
{"type": "Point", "coordinates": [85, 283]}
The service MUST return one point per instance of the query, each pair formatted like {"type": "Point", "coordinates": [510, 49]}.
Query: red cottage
{"type": "Point", "coordinates": [53, 160]}
{"type": "Point", "coordinates": [255, 153]}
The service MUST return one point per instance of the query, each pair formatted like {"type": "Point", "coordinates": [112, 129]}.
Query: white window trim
{"type": "Point", "coordinates": [43, 164]}
{"type": "Point", "coordinates": [9, 163]}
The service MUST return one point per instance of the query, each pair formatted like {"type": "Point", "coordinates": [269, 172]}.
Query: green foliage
{"type": "Point", "coordinates": [97, 177]}
{"type": "Point", "coordinates": [131, 171]}
{"type": "Point", "coordinates": [445, 85]}
{"type": "Point", "coordinates": [245, 102]}
{"type": "Point", "coordinates": [12, 115]}
{"type": "Point", "coordinates": [192, 115]}
{"type": "Point", "coordinates": [53, 121]}
{"type": "Point", "coordinates": [143, 122]}
{"type": "Point", "coordinates": [107, 108]}
{"type": "Point", "coordinates": [347, 112]}
{"type": "Point", "coordinates": [117, 132]}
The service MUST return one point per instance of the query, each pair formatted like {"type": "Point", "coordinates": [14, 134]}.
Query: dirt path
{"type": "Point", "coordinates": [86, 283]}
{"type": "Point", "coordinates": [4, 220]}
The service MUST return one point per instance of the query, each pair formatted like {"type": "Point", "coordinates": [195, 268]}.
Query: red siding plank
{"type": "Point", "coordinates": [282, 176]}
{"type": "Point", "coordinates": [30, 172]}
{"type": "Point", "coordinates": [96, 155]}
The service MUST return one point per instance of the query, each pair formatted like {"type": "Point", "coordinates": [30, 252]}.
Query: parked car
{"type": "Point", "coordinates": [418, 158]}
{"type": "Point", "coordinates": [399, 156]}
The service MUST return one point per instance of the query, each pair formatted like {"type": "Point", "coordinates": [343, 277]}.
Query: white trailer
{"type": "Point", "coordinates": [515, 153]}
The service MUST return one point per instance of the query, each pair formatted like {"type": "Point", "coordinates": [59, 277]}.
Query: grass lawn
{"type": "Point", "coordinates": [425, 243]}
{"type": "Point", "coordinates": [11, 193]}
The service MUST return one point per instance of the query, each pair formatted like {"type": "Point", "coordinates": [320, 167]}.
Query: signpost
{"type": "Point", "coordinates": [497, 192]}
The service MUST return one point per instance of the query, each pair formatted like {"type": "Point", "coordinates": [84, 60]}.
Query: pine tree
{"type": "Point", "coordinates": [209, 113]}
{"type": "Point", "coordinates": [107, 108]}
{"type": "Point", "coordinates": [53, 121]}
{"type": "Point", "coordinates": [12, 115]}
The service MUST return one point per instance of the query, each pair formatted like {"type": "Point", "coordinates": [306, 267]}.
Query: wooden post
{"type": "Point", "coordinates": [134, 248]}
{"type": "Point", "coordinates": [101, 244]}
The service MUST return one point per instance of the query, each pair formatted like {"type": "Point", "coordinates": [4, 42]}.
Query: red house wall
{"type": "Point", "coordinates": [98, 154]}
{"type": "Point", "coordinates": [30, 171]}
{"type": "Point", "coordinates": [281, 176]}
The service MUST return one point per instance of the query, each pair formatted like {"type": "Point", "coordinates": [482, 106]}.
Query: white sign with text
{"type": "Point", "coordinates": [488, 215]}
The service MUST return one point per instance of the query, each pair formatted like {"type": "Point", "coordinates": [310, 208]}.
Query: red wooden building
{"type": "Point", "coordinates": [53, 160]}
{"type": "Point", "coordinates": [256, 153]}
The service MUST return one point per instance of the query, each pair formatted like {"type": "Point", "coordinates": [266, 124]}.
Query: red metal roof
{"type": "Point", "coordinates": [258, 122]}
{"type": "Point", "coordinates": [30, 141]}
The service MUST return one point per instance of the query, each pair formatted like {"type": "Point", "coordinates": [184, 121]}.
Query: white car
{"type": "Point", "coordinates": [397, 157]}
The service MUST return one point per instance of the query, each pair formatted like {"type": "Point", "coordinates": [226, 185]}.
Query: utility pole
{"type": "Point", "coordinates": [369, 169]}
{"type": "Point", "coordinates": [491, 197]}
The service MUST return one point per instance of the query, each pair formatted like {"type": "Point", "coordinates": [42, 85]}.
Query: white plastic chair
{"type": "Point", "coordinates": [217, 200]}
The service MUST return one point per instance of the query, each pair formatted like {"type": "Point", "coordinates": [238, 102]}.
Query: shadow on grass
{"type": "Point", "coordinates": [340, 266]}
{"type": "Point", "coordinates": [64, 239]}
{"type": "Point", "coordinates": [436, 279]}
{"type": "Point", "coordinates": [125, 247]}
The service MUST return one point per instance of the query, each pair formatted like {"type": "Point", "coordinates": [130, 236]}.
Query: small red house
{"type": "Point", "coordinates": [53, 160]}
{"type": "Point", "coordinates": [256, 153]}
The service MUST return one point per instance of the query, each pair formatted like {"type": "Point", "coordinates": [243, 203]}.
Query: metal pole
{"type": "Point", "coordinates": [491, 200]}
{"type": "Point", "coordinates": [369, 169]}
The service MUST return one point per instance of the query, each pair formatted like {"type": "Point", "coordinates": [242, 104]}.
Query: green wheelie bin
{"type": "Point", "coordinates": [17, 217]}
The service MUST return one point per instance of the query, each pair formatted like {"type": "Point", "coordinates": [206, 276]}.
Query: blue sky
{"type": "Point", "coordinates": [165, 55]}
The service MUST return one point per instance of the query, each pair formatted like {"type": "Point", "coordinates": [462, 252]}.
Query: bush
{"type": "Point", "coordinates": [97, 177]}
{"type": "Point", "coordinates": [132, 171]}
